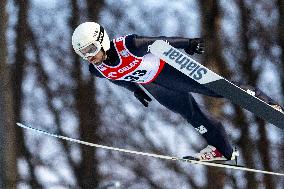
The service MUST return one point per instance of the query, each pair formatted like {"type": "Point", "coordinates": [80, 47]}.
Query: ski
{"type": "Point", "coordinates": [216, 83]}
{"type": "Point", "coordinates": [192, 161]}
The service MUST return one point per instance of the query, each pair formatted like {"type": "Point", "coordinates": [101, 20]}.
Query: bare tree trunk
{"type": "Point", "coordinates": [210, 13]}
{"type": "Point", "coordinates": [94, 9]}
{"type": "Point", "coordinates": [20, 58]}
{"type": "Point", "coordinates": [88, 173]}
{"type": "Point", "coordinates": [245, 142]}
{"type": "Point", "coordinates": [18, 68]}
{"type": "Point", "coordinates": [3, 73]}
{"type": "Point", "coordinates": [251, 77]}
{"type": "Point", "coordinates": [281, 67]}
{"type": "Point", "coordinates": [281, 39]}
{"type": "Point", "coordinates": [265, 151]}
{"type": "Point", "coordinates": [246, 65]}
{"type": "Point", "coordinates": [8, 161]}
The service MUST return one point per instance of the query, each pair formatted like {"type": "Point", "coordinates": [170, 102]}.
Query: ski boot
{"type": "Point", "coordinates": [210, 153]}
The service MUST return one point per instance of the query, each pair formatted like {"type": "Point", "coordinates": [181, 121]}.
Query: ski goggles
{"type": "Point", "coordinates": [90, 50]}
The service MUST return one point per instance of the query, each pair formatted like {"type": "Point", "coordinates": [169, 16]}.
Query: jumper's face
{"type": "Point", "coordinates": [93, 53]}
{"type": "Point", "coordinates": [98, 58]}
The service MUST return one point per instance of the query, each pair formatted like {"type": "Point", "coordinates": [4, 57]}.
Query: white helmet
{"type": "Point", "coordinates": [90, 33]}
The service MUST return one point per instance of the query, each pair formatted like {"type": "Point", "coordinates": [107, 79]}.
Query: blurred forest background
{"type": "Point", "coordinates": [45, 85]}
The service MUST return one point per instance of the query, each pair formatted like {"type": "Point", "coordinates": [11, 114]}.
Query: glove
{"type": "Point", "coordinates": [196, 45]}
{"type": "Point", "coordinates": [142, 97]}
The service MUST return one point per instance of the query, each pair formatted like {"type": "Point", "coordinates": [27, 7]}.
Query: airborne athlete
{"type": "Point", "coordinates": [126, 62]}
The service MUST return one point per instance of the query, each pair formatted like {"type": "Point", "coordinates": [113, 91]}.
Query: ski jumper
{"type": "Point", "coordinates": [168, 86]}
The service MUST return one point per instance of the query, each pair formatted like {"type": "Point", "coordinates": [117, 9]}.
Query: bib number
{"type": "Point", "coordinates": [135, 76]}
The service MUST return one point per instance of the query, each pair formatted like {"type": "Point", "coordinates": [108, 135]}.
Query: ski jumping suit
{"type": "Point", "coordinates": [128, 58]}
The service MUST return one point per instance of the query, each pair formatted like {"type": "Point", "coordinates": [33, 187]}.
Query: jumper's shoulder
{"type": "Point", "coordinates": [94, 71]}
{"type": "Point", "coordinates": [128, 37]}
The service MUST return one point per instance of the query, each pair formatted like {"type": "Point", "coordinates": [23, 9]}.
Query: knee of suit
{"type": "Point", "coordinates": [209, 128]}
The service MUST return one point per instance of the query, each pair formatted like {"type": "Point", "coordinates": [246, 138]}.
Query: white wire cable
{"type": "Point", "coordinates": [150, 154]}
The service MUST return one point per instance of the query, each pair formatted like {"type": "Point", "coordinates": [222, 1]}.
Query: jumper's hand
{"type": "Point", "coordinates": [196, 45]}
{"type": "Point", "coordinates": [142, 97]}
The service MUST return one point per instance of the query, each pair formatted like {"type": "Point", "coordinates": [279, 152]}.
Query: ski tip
{"type": "Point", "coordinates": [23, 126]}
{"type": "Point", "coordinates": [19, 124]}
